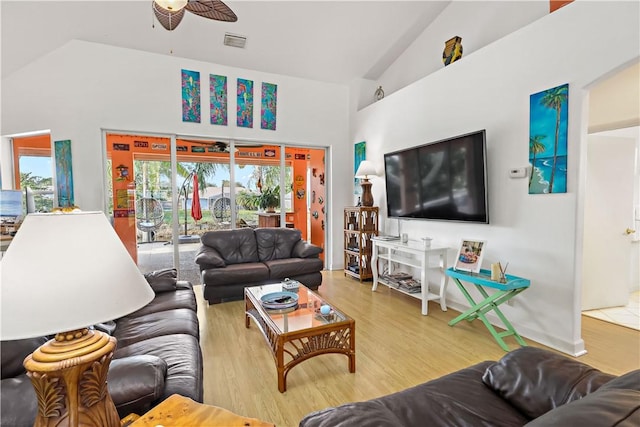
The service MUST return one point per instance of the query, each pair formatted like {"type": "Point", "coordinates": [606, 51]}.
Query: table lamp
{"type": "Point", "coordinates": [63, 273]}
{"type": "Point", "coordinates": [365, 170]}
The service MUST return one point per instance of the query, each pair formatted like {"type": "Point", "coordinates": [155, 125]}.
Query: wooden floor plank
{"type": "Point", "coordinates": [396, 348]}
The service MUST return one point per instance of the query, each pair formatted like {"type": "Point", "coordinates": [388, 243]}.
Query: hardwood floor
{"type": "Point", "coordinates": [396, 348]}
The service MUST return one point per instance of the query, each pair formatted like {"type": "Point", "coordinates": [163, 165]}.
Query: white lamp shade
{"type": "Point", "coordinates": [66, 271]}
{"type": "Point", "coordinates": [366, 169]}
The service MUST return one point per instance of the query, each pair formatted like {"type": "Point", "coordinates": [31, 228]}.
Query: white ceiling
{"type": "Point", "coordinates": [333, 41]}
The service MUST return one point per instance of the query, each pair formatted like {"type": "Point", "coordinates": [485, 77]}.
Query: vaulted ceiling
{"type": "Point", "coordinates": [332, 41]}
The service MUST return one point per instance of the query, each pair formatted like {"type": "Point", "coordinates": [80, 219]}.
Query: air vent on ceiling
{"type": "Point", "coordinates": [235, 40]}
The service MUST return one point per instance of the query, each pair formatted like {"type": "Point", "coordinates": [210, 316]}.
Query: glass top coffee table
{"type": "Point", "coordinates": [297, 333]}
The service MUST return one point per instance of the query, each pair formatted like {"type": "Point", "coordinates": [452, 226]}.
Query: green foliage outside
{"type": "Point", "coordinates": [43, 202]}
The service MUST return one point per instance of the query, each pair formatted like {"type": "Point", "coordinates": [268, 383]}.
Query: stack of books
{"type": "Point", "coordinates": [409, 285]}
{"type": "Point", "coordinates": [396, 277]}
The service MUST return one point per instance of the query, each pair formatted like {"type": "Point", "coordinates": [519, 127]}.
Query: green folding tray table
{"type": "Point", "coordinates": [503, 293]}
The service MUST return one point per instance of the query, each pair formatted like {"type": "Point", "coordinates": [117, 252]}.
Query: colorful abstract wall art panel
{"type": "Point", "coordinates": [548, 122]}
{"type": "Point", "coordinates": [218, 99]}
{"type": "Point", "coordinates": [359, 154]}
{"type": "Point", "coordinates": [64, 173]}
{"type": "Point", "coordinates": [245, 103]}
{"type": "Point", "coordinates": [190, 96]}
{"type": "Point", "coordinates": [269, 104]}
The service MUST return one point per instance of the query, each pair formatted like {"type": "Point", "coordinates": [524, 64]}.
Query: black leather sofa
{"type": "Point", "coordinates": [230, 260]}
{"type": "Point", "coordinates": [528, 386]}
{"type": "Point", "coordinates": [158, 354]}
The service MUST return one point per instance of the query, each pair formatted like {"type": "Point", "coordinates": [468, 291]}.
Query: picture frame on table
{"type": "Point", "coordinates": [470, 255]}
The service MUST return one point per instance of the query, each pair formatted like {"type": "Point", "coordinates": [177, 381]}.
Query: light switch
{"type": "Point", "coordinates": [519, 172]}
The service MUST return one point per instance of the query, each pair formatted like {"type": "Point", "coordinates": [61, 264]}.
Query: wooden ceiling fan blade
{"type": "Point", "coordinates": [212, 9]}
{"type": "Point", "coordinates": [167, 19]}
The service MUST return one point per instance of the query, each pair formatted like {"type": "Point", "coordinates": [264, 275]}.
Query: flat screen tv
{"type": "Point", "coordinates": [444, 180]}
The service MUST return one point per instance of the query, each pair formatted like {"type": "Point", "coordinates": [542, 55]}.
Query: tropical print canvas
{"type": "Point", "coordinates": [269, 103]}
{"type": "Point", "coordinates": [190, 96]}
{"type": "Point", "coordinates": [548, 123]}
{"type": "Point", "coordinates": [245, 104]}
{"type": "Point", "coordinates": [359, 154]}
{"type": "Point", "coordinates": [218, 99]}
{"type": "Point", "coordinates": [64, 173]}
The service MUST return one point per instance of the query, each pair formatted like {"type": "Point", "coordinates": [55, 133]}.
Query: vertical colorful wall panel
{"type": "Point", "coordinates": [245, 103]}
{"type": "Point", "coordinates": [317, 203]}
{"type": "Point", "coordinates": [359, 154]}
{"type": "Point", "coordinates": [269, 104]}
{"type": "Point", "coordinates": [190, 96]}
{"type": "Point", "coordinates": [64, 173]}
{"type": "Point", "coordinates": [218, 99]}
{"type": "Point", "coordinates": [548, 121]}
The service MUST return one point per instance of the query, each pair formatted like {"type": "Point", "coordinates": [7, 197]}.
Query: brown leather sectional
{"type": "Point", "coordinates": [158, 354]}
{"type": "Point", "coordinates": [528, 386]}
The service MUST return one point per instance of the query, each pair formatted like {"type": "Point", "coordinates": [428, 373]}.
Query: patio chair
{"type": "Point", "coordinates": [149, 216]}
{"type": "Point", "coordinates": [221, 209]}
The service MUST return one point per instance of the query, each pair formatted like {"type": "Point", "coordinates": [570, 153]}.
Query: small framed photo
{"type": "Point", "coordinates": [470, 256]}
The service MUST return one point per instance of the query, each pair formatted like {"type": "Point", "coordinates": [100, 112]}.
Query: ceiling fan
{"type": "Point", "coordinates": [171, 12]}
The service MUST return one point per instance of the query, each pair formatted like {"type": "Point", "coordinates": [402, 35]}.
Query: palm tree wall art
{"type": "Point", "coordinates": [548, 122]}
{"type": "Point", "coordinates": [64, 173]}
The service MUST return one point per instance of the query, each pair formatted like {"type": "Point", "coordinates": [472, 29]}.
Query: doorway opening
{"type": "Point", "coordinates": [611, 235]}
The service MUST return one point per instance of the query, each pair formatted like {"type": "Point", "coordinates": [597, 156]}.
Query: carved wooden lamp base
{"type": "Point", "coordinates": [367, 196]}
{"type": "Point", "coordinates": [69, 374]}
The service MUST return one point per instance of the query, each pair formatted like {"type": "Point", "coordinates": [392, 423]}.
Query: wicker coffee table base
{"type": "Point", "coordinates": [291, 348]}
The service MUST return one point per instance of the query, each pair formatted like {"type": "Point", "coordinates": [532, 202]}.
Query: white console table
{"type": "Point", "coordinates": [415, 255]}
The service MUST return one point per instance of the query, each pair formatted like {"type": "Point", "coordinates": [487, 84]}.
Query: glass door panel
{"type": "Point", "coordinates": [258, 174]}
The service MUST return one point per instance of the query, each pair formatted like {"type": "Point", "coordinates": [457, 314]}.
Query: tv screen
{"type": "Point", "coordinates": [10, 203]}
{"type": "Point", "coordinates": [444, 180]}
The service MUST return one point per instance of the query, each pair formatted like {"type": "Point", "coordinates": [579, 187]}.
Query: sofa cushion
{"type": "Point", "coordinates": [136, 381]}
{"type": "Point", "coordinates": [162, 280]}
{"type": "Point", "coordinates": [361, 414]}
{"type": "Point", "coordinates": [536, 381]}
{"type": "Point", "coordinates": [456, 399]}
{"type": "Point", "coordinates": [18, 402]}
{"type": "Point", "coordinates": [236, 273]}
{"type": "Point", "coordinates": [235, 246]}
{"type": "Point", "coordinates": [304, 249]}
{"type": "Point", "coordinates": [182, 354]}
{"type": "Point", "coordinates": [208, 257]}
{"type": "Point", "coordinates": [181, 298]}
{"type": "Point", "coordinates": [178, 321]}
{"type": "Point", "coordinates": [630, 381]}
{"type": "Point", "coordinates": [276, 243]}
{"type": "Point", "coordinates": [289, 267]}
{"type": "Point", "coordinates": [14, 352]}
{"type": "Point", "coordinates": [610, 407]}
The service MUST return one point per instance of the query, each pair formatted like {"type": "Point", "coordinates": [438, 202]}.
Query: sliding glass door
{"type": "Point", "coordinates": [160, 210]}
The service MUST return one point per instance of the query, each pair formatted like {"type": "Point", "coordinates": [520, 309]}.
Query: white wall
{"type": "Point", "coordinates": [84, 87]}
{"type": "Point", "coordinates": [490, 90]}
{"type": "Point", "coordinates": [479, 23]}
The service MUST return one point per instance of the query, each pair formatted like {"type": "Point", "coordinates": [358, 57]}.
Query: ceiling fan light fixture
{"type": "Point", "coordinates": [170, 12]}
{"type": "Point", "coordinates": [172, 5]}
{"type": "Point", "coordinates": [235, 40]}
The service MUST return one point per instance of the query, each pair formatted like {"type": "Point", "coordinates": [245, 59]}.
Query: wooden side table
{"type": "Point", "coordinates": [180, 411]}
